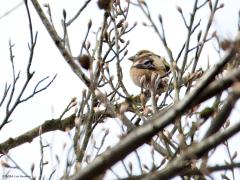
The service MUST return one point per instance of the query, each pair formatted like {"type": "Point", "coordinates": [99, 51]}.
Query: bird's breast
{"type": "Point", "coordinates": [137, 75]}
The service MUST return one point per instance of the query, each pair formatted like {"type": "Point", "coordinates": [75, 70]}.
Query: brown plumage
{"type": "Point", "coordinates": [146, 65]}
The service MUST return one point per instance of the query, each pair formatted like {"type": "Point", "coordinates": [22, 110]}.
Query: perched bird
{"type": "Point", "coordinates": [149, 69]}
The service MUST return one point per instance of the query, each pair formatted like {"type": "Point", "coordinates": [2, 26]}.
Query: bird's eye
{"type": "Point", "coordinates": [144, 64]}
{"type": "Point", "coordinates": [148, 64]}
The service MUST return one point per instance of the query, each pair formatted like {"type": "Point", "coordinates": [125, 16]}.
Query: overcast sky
{"type": "Point", "coordinates": [48, 61]}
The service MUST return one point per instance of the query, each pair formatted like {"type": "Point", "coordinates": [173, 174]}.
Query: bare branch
{"type": "Point", "coordinates": [78, 13]}
{"type": "Point", "coordinates": [60, 45]}
{"type": "Point", "coordinates": [144, 133]}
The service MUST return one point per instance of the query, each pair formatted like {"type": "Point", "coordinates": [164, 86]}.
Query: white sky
{"type": "Point", "coordinates": [48, 61]}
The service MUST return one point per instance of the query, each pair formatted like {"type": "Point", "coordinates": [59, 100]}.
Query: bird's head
{"type": "Point", "coordinates": [141, 54]}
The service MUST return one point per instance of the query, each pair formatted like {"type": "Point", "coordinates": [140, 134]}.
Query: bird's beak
{"type": "Point", "coordinates": [132, 58]}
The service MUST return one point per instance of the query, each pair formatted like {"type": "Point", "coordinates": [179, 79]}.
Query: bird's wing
{"type": "Point", "coordinates": [144, 64]}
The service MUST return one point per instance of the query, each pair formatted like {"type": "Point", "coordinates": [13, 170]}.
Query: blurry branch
{"type": "Point", "coordinates": [135, 100]}
{"type": "Point", "coordinates": [143, 6]}
{"type": "Point", "coordinates": [49, 12]}
{"type": "Point", "coordinates": [16, 166]}
{"type": "Point", "coordinates": [113, 43]}
{"type": "Point", "coordinates": [78, 13]}
{"type": "Point", "coordinates": [63, 125]}
{"type": "Point", "coordinates": [36, 90]}
{"type": "Point", "coordinates": [231, 157]}
{"type": "Point", "coordinates": [60, 44]}
{"type": "Point", "coordinates": [157, 123]}
{"type": "Point", "coordinates": [88, 132]}
{"type": "Point", "coordinates": [47, 126]}
{"type": "Point", "coordinates": [209, 169]}
{"type": "Point", "coordinates": [85, 39]}
{"type": "Point", "coordinates": [111, 109]}
{"type": "Point", "coordinates": [33, 40]}
{"type": "Point", "coordinates": [65, 38]}
{"type": "Point", "coordinates": [11, 10]}
{"type": "Point", "coordinates": [42, 163]}
{"type": "Point", "coordinates": [239, 20]}
{"type": "Point", "coordinates": [6, 89]}
{"type": "Point", "coordinates": [50, 125]}
{"type": "Point", "coordinates": [218, 86]}
{"type": "Point", "coordinates": [221, 117]}
{"type": "Point", "coordinates": [201, 42]}
{"type": "Point", "coordinates": [118, 67]}
{"type": "Point", "coordinates": [11, 103]}
{"type": "Point", "coordinates": [71, 61]}
{"type": "Point", "coordinates": [100, 41]}
{"type": "Point", "coordinates": [88, 116]}
{"type": "Point", "coordinates": [70, 105]}
{"type": "Point", "coordinates": [98, 49]}
{"type": "Point", "coordinates": [190, 29]}
{"type": "Point", "coordinates": [106, 132]}
{"type": "Point", "coordinates": [69, 122]}
{"type": "Point", "coordinates": [191, 171]}
{"type": "Point", "coordinates": [195, 152]}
